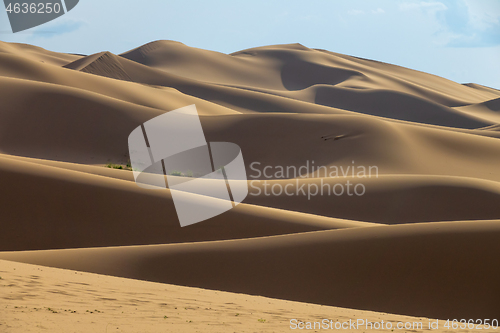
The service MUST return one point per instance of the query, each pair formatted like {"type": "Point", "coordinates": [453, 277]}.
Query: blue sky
{"type": "Point", "coordinates": [456, 39]}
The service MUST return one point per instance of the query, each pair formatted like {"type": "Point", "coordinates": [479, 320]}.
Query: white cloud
{"type": "Point", "coordinates": [483, 15]}
{"type": "Point", "coordinates": [361, 12]}
{"type": "Point", "coordinates": [59, 27]}
{"type": "Point", "coordinates": [431, 6]}
{"type": "Point", "coordinates": [378, 11]}
{"type": "Point", "coordinates": [472, 24]}
{"type": "Point", "coordinates": [355, 12]}
{"type": "Point", "coordinates": [461, 23]}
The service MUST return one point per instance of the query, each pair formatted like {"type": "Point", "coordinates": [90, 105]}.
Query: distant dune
{"type": "Point", "coordinates": [422, 240]}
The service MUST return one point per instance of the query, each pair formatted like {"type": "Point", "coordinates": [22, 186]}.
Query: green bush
{"type": "Point", "coordinates": [119, 166]}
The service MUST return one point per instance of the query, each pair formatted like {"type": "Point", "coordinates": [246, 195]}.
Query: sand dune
{"type": "Point", "coordinates": [487, 110]}
{"type": "Point", "coordinates": [104, 63]}
{"type": "Point", "coordinates": [427, 269]}
{"type": "Point", "coordinates": [395, 148]}
{"type": "Point", "coordinates": [124, 305]}
{"type": "Point", "coordinates": [70, 209]}
{"type": "Point", "coordinates": [422, 240]}
{"type": "Point", "coordinates": [387, 199]}
{"type": "Point", "coordinates": [336, 82]}
{"type": "Point", "coordinates": [101, 126]}
{"type": "Point", "coordinates": [482, 88]}
{"type": "Point", "coordinates": [36, 53]}
{"type": "Point", "coordinates": [294, 67]}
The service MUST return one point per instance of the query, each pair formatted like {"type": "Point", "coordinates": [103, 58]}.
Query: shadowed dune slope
{"type": "Point", "coordinates": [165, 99]}
{"type": "Point", "coordinates": [482, 88]}
{"type": "Point", "coordinates": [36, 53]}
{"type": "Point", "coordinates": [428, 269]}
{"type": "Point", "coordinates": [46, 207]}
{"type": "Point", "coordinates": [85, 127]}
{"type": "Point", "coordinates": [256, 82]}
{"type": "Point", "coordinates": [273, 140]}
{"type": "Point", "coordinates": [103, 63]}
{"type": "Point", "coordinates": [396, 105]}
{"type": "Point", "coordinates": [387, 199]}
{"type": "Point", "coordinates": [295, 67]}
{"type": "Point", "coordinates": [489, 110]}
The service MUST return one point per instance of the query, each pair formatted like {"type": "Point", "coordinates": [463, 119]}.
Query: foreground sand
{"type": "Point", "coordinates": [43, 299]}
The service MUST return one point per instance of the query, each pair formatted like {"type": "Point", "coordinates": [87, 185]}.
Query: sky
{"type": "Point", "coordinates": [455, 39]}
